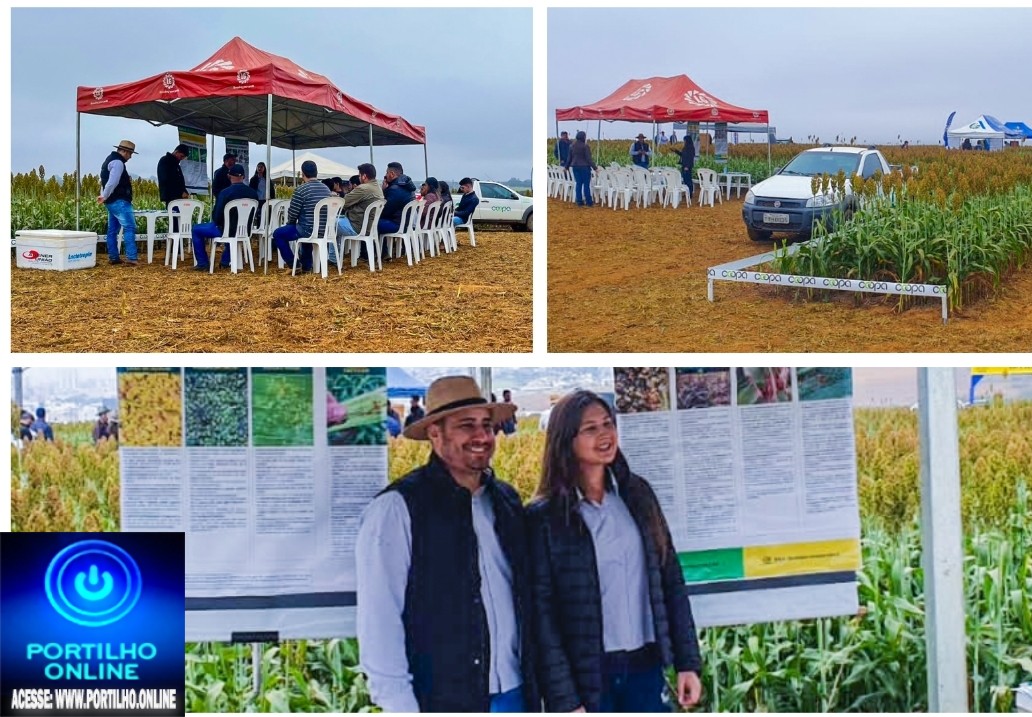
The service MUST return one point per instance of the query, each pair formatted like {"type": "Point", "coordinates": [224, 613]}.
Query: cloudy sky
{"type": "Point", "coordinates": [477, 114]}
{"type": "Point", "coordinates": [870, 73]}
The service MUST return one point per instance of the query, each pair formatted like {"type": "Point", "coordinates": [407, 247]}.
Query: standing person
{"type": "Point", "coordinates": [562, 148]}
{"type": "Point", "coordinates": [508, 426]}
{"type": "Point", "coordinates": [443, 580]}
{"type": "Point", "coordinates": [673, 138]}
{"type": "Point", "coordinates": [25, 432]}
{"type": "Point", "coordinates": [301, 219]}
{"type": "Point", "coordinates": [609, 595]}
{"type": "Point", "coordinates": [467, 204]}
{"type": "Point", "coordinates": [221, 179]}
{"type": "Point", "coordinates": [662, 137]}
{"type": "Point", "coordinates": [257, 183]}
{"type": "Point", "coordinates": [102, 428]}
{"type": "Point", "coordinates": [40, 425]}
{"type": "Point", "coordinates": [416, 411]}
{"type": "Point", "coordinates": [117, 195]}
{"type": "Point", "coordinates": [640, 151]}
{"type": "Point", "coordinates": [171, 182]}
{"type": "Point", "coordinates": [580, 161]}
{"type": "Point", "coordinates": [687, 162]}
{"type": "Point", "coordinates": [216, 228]}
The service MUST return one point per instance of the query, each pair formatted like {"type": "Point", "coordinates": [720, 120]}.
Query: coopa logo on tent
{"type": "Point", "coordinates": [640, 92]}
{"type": "Point", "coordinates": [243, 76]}
{"type": "Point", "coordinates": [169, 83]}
{"type": "Point", "coordinates": [700, 98]}
{"type": "Point", "coordinates": [98, 93]}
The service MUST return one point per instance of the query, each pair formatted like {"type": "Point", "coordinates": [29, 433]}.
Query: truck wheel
{"type": "Point", "coordinates": [527, 226]}
{"type": "Point", "coordinates": [758, 234]}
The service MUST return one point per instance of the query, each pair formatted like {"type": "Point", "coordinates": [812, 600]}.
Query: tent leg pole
{"type": "Point", "coordinates": [211, 182]}
{"type": "Point", "coordinates": [557, 136]}
{"type": "Point", "coordinates": [78, 172]}
{"type": "Point", "coordinates": [268, 174]}
{"type": "Point", "coordinates": [371, 145]}
{"type": "Point", "coordinates": [426, 162]}
{"type": "Point", "coordinates": [768, 149]}
{"type": "Point", "coordinates": [293, 161]}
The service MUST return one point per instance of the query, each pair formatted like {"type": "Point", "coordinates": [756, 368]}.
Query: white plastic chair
{"type": "Point", "coordinates": [709, 188]}
{"type": "Point", "coordinates": [444, 227]}
{"type": "Point", "coordinates": [241, 239]}
{"type": "Point", "coordinates": [675, 188]}
{"type": "Point", "coordinates": [368, 235]}
{"type": "Point", "coordinates": [405, 237]}
{"type": "Point", "coordinates": [468, 226]}
{"type": "Point", "coordinates": [277, 218]}
{"type": "Point", "coordinates": [426, 236]}
{"type": "Point", "coordinates": [181, 238]}
{"type": "Point", "coordinates": [321, 240]}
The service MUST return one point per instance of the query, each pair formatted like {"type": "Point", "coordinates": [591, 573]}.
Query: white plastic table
{"type": "Point", "coordinates": [738, 180]}
{"type": "Point", "coordinates": [152, 216]}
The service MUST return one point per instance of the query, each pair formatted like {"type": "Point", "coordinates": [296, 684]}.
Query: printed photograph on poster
{"type": "Point", "coordinates": [817, 384]}
{"type": "Point", "coordinates": [356, 406]}
{"type": "Point", "coordinates": [281, 407]}
{"type": "Point", "coordinates": [764, 385]}
{"type": "Point", "coordinates": [641, 390]}
{"type": "Point", "coordinates": [216, 406]}
{"type": "Point", "coordinates": [150, 406]}
{"type": "Point", "coordinates": [703, 387]}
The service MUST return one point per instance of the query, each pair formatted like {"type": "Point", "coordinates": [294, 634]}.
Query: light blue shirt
{"type": "Point", "coordinates": [383, 554]}
{"type": "Point", "coordinates": [620, 557]}
{"type": "Point", "coordinates": [115, 167]}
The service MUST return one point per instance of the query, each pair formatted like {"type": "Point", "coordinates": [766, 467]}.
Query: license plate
{"type": "Point", "coordinates": [775, 218]}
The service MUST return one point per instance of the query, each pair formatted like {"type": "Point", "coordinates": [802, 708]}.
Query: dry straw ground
{"type": "Point", "coordinates": [636, 281]}
{"type": "Point", "coordinates": [476, 300]}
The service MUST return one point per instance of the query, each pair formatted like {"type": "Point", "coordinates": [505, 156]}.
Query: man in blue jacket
{"type": "Point", "coordinates": [237, 189]}
{"type": "Point", "coordinates": [398, 190]}
{"type": "Point", "coordinates": [468, 203]}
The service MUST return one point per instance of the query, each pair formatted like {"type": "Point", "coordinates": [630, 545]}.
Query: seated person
{"type": "Point", "coordinates": [445, 191]}
{"type": "Point", "coordinates": [301, 220]}
{"type": "Point", "coordinates": [429, 191]}
{"type": "Point", "coordinates": [365, 193]}
{"type": "Point", "coordinates": [398, 190]}
{"type": "Point", "coordinates": [237, 189]}
{"type": "Point", "coordinates": [336, 186]}
{"type": "Point", "coordinates": [468, 203]}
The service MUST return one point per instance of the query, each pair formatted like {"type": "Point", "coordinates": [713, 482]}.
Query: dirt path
{"type": "Point", "coordinates": [635, 281]}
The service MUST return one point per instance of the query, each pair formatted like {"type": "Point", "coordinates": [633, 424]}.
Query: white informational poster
{"type": "Point", "coordinates": [755, 469]}
{"type": "Point", "coordinates": [720, 140]}
{"type": "Point", "coordinates": [267, 471]}
{"type": "Point", "coordinates": [195, 164]}
{"type": "Point", "coordinates": [241, 149]}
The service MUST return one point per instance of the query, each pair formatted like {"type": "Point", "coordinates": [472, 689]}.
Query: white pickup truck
{"type": "Point", "coordinates": [785, 202]}
{"type": "Point", "coordinates": [501, 205]}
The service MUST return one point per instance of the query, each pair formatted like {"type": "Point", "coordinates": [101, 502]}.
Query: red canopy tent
{"type": "Point", "coordinates": [661, 99]}
{"type": "Point", "coordinates": [244, 92]}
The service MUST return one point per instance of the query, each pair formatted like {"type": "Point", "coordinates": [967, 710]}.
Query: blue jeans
{"type": "Point", "coordinates": [282, 238]}
{"type": "Point", "coordinates": [582, 176]}
{"type": "Point", "coordinates": [120, 215]}
{"type": "Point", "coordinates": [459, 221]}
{"type": "Point", "coordinates": [344, 228]}
{"type": "Point", "coordinates": [686, 177]}
{"type": "Point", "coordinates": [511, 701]}
{"type": "Point", "coordinates": [201, 232]}
{"type": "Point", "coordinates": [386, 226]}
{"type": "Point", "coordinates": [629, 690]}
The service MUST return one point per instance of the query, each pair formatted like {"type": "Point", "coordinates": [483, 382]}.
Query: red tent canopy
{"type": "Point", "coordinates": [228, 95]}
{"type": "Point", "coordinates": [662, 99]}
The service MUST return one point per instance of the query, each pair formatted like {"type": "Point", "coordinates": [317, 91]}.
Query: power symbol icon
{"type": "Point", "coordinates": [87, 593]}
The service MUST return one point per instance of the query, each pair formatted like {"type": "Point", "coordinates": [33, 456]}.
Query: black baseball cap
{"type": "Point", "coordinates": [237, 170]}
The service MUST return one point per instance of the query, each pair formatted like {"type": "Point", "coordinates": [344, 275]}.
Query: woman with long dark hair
{"type": "Point", "coordinates": [611, 605]}
{"type": "Point", "coordinates": [257, 183]}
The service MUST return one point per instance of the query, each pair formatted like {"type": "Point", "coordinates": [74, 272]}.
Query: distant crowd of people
{"type": "Point", "coordinates": [228, 183]}
{"type": "Point", "coordinates": [36, 428]}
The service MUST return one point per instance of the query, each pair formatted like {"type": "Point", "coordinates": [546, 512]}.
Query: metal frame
{"type": "Point", "coordinates": [736, 271]}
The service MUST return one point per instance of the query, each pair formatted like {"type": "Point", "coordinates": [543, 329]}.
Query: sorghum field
{"type": "Point", "coordinates": [874, 661]}
{"type": "Point", "coordinates": [636, 280]}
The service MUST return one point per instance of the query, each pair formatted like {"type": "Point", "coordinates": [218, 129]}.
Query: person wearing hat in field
{"type": "Point", "coordinates": [220, 180]}
{"type": "Point", "coordinates": [171, 182]}
{"type": "Point", "coordinates": [441, 557]}
{"type": "Point", "coordinates": [117, 195]}
{"type": "Point", "coordinates": [25, 432]}
{"type": "Point", "coordinates": [640, 151]}
{"type": "Point", "coordinates": [237, 189]}
{"type": "Point", "coordinates": [301, 219]}
{"type": "Point", "coordinates": [102, 428]}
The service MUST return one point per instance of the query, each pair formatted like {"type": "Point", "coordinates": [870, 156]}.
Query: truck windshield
{"type": "Point", "coordinates": [810, 163]}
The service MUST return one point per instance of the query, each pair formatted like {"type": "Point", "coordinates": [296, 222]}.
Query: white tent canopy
{"type": "Point", "coordinates": [327, 167]}
{"type": "Point", "coordinates": [985, 128]}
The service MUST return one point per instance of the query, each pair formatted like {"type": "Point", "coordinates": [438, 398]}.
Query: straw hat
{"type": "Point", "coordinates": [452, 394]}
{"type": "Point", "coordinates": [127, 145]}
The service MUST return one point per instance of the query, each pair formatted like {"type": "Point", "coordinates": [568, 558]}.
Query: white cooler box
{"type": "Point", "coordinates": [55, 249]}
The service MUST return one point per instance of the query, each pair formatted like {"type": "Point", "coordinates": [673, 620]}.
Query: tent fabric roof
{"type": "Point", "coordinates": [227, 95]}
{"type": "Point", "coordinates": [1025, 130]}
{"type": "Point", "coordinates": [327, 167]}
{"type": "Point", "coordinates": [662, 99]}
{"type": "Point", "coordinates": [985, 126]}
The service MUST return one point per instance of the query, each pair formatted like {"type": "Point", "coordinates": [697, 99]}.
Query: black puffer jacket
{"type": "Point", "coordinates": [568, 600]}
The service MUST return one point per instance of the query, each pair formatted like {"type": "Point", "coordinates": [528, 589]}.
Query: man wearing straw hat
{"type": "Point", "coordinates": [117, 195]}
{"type": "Point", "coordinates": [640, 151]}
{"type": "Point", "coordinates": [441, 561]}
